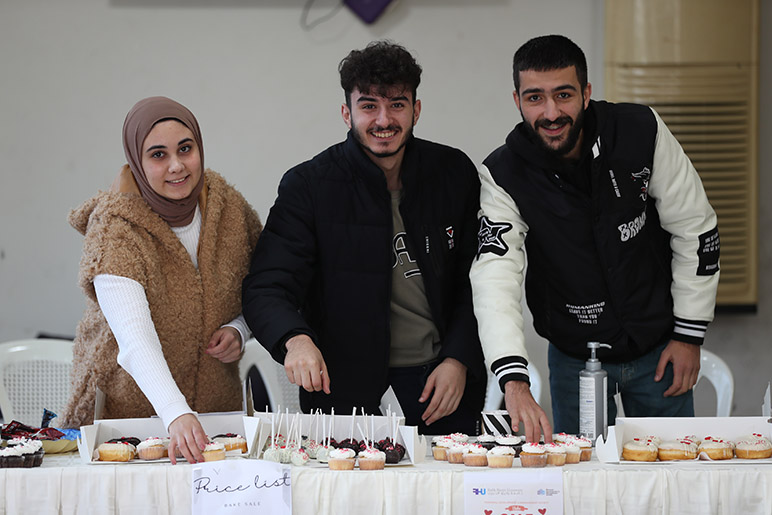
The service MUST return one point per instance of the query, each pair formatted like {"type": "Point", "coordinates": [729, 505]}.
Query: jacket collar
{"type": "Point", "coordinates": [368, 170]}
{"type": "Point", "coordinates": [520, 141]}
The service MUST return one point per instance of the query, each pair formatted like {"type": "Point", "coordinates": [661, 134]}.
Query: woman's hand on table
{"type": "Point", "coordinates": [186, 433]}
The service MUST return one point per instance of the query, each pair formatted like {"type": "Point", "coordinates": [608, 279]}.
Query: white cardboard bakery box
{"type": "Point", "coordinates": [100, 431]}
{"type": "Point", "coordinates": [728, 428]}
{"type": "Point", "coordinates": [344, 426]}
{"type": "Point", "coordinates": [256, 429]}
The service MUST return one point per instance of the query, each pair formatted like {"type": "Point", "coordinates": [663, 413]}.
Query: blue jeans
{"type": "Point", "coordinates": [641, 396]}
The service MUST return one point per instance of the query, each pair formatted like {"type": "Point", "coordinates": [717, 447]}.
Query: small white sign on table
{"type": "Point", "coordinates": [518, 491]}
{"type": "Point", "coordinates": [241, 486]}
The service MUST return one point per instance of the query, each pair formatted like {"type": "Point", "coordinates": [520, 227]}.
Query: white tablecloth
{"type": "Point", "coordinates": [64, 485]}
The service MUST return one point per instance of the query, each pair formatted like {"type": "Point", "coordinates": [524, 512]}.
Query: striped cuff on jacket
{"type": "Point", "coordinates": [511, 368]}
{"type": "Point", "coordinates": [689, 331]}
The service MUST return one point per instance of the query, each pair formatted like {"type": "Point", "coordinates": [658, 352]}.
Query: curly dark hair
{"type": "Point", "coordinates": [381, 65]}
{"type": "Point", "coordinates": [547, 53]}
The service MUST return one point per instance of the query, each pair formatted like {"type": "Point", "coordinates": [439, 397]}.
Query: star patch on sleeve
{"type": "Point", "coordinates": [490, 238]}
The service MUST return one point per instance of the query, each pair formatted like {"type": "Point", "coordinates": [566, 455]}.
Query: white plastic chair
{"type": "Point", "coordinates": [281, 393]}
{"type": "Point", "coordinates": [715, 370]}
{"type": "Point", "coordinates": [34, 374]}
{"type": "Point", "coordinates": [494, 396]}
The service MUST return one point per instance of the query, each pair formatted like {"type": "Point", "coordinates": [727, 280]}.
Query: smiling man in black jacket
{"type": "Point", "coordinates": [622, 247]}
{"type": "Point", "coordinates": [360, 278]}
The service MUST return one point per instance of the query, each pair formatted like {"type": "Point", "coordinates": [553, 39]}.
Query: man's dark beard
{"type": "Point", "coordinates": [571, 139]}
{"type": "Point", "coordinates": [380, 154]}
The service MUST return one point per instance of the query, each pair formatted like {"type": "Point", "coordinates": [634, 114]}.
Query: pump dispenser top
{"type": "Point", "coordinates": [594, 363]}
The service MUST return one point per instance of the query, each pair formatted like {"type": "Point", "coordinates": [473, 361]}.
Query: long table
{"type": "Point", "coordinates": [63, 484]}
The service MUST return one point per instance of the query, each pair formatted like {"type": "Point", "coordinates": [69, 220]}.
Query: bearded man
{"type": "Point", "coordinates": [622, 247]}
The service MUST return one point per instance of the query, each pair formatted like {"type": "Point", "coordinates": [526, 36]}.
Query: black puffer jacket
{"type": "Point", "coordinates": [323, 263]}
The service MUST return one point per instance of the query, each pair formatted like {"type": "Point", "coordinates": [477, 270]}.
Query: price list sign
{"type": "Point", "coordinates": [514, 492]}
{"type": "Point", "coordinates": [234, 487]}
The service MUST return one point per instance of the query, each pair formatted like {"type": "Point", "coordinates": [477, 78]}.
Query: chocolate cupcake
{"type": "Point", "coordinates": [11, 457]}
{"type": "Point", "coordinates": [514, 441]}
{"type": "Point", "coordinates": [487, 441]}
{"type": "Point", "coordinates": [39, 457]}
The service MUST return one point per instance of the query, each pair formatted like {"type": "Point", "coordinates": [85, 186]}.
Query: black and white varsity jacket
{"type": "Point", "coordinates": [632, 262]}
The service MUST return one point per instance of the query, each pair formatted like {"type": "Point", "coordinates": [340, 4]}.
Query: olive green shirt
{"type": "Point", "coordinates": [414, 336]}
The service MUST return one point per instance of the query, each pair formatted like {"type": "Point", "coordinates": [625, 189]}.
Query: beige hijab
{"type": "Point", "coordinates": [139, 122]}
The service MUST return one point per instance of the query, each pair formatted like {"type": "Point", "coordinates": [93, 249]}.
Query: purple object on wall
{"type": "Point", "coordinates": [368, 10]}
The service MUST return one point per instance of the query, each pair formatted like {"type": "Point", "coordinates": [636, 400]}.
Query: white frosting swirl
{"type": "Point", "coordinates": [214, 446]}
{"type": "Point", "coordinates": [150, 442]}
{"type": "Point", "coordinates": [458, 447]}
{"type": "Point", "coordinates": [502, 450]}
{"type": "Point", "coordinates": [533, 448]}
{"type": "Point", "coordinates": [445, 442]}
{"type": "Point", "coordinates": [342, 454]}
{"type": "Point", "coordinates": [476, 449]}
{"type": "Point", "coordinates": [583, 442]}
{"type": "Point", "coordinates": [14, 450]}
{"type": "Point", "coordinates": [554, 448]}
{"type": "Point", "coordinates": [508, 440]}
{"type": "Point", "coordinates": [571, 446]}
{"type": "Point", "coordinates": [372, 454]}
{"type": "Point", "coordinates": [561, 437]}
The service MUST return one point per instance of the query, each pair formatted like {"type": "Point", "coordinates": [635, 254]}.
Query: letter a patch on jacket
{"type": "Point", "coordinates": [490, 238]}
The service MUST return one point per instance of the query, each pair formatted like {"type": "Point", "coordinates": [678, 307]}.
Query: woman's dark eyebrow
{"type": "Point", "coordinates": [157, 147]}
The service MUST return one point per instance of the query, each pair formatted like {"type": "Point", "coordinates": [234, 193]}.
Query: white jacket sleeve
{"type": "Point", "coordinates": [124, 305]}
{"type": "Point", "coordinates": [685, 213]}
{"type": "Point", "coordinates": [497, 282]}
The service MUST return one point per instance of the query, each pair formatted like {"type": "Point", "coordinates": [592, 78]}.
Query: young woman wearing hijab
{"type": "Point", "coordinates": [164, 254]}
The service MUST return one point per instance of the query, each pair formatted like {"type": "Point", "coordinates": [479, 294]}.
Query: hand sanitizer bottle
{"type": "Point", "coordinates": [593, 407]}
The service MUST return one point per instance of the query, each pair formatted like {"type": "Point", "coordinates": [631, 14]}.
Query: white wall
{"type": "Point", "coordinates": [267, 97]}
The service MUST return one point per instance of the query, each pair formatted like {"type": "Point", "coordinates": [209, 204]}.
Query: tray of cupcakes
{"type": "Point", "coordinates": [337, 442]}
{"type": "Point", "coordinates": [144, 440]}
{"type": "Point", "coordinates": [507, 450]}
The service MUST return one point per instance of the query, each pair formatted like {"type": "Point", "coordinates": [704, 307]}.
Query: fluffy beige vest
{"type": "Point", "coordinates": [124, 237]}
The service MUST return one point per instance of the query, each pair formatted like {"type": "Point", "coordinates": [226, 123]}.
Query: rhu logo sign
{"type": "Point", "coordinates": [478, 491]}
